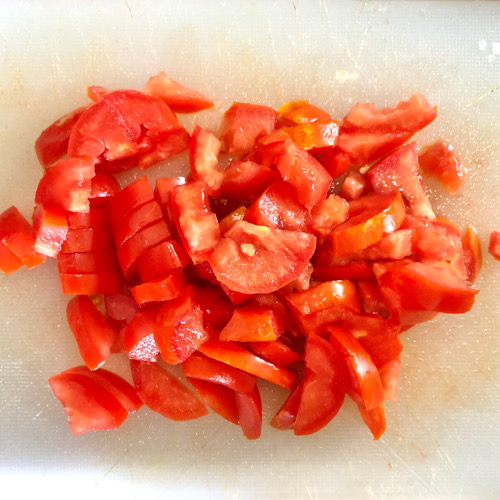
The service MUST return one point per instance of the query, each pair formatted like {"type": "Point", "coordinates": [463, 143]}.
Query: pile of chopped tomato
{"type": "Point", "coordinates": [300, 262]}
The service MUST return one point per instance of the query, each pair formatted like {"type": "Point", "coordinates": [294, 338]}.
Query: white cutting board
{"type": "Point", "coordinates": [442, 439]}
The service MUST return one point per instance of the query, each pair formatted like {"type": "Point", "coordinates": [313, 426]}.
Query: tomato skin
{"type": "Point", "coordinates": [416, 286]}
{"type": "Point", "coordinates": [399, 171]}
{"type": "Point", "coordinates": [197, 225]}
{"type": "Point", "coordinates": [473, 258]}
{"type": "Point", "coordinates": [159, 289]}
{"type": "Point", "coordinates": [93, 334]}
{"type": "Point", "coordinates": [203, 160]}
{"type": "Point", "coordinates": [87, 263]}
{"type": "Point", "coordinates": [16, 234]}
{"type": "Point", "coordinates": [88, 404]}
{"type": "Point", "coordinates": [179, 99]}
{"type": "Point", "coordinates": [50, 229]}
{"type": "Point", "coordinates": [52, 143]}
{"type": "Point", "coordinates": [494, 244]}
{"type": "Point", "coordinates": [162, 259]}
{"type": "Point", "coordinates": [257, 259]}
{"type": "Point", "coordinates": [8, 261]}
{"type": "Point", "coordinates": [67, 185]}
{"type": "Point", "coordinates": [238, 356]}
{"type": "Point", "coordinates": [102, 188]}
{"type": "Point", "coordinates": [178, 328]}
{"type": "Point", "coordinates": [249, 408]}
{"type": "Point", "coordinates": [130, 198]}
{"type": "Point", "coordinates": [439, 160]}
{"type": "Point", "coordinates": [164, 393]}
{"type": "Point", "coordinates": [367, 134]}
{"type": "Point", "coordinates": [365, 386]}
{"type": "Point", "coordinates": [304, 173]}
{"type": "Point", "coordinates": [243, 124]}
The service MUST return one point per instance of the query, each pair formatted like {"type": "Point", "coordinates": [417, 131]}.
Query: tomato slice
{"type": "Point", "coordinates": [335, 161]}
{"type": "Point", "coordinates": [367, 133]}
{"type": "Point", "coordinates": [287, 415]}
{"type": "Point", "coordinates": [365, 386]}
{"type": "Point", "coordinates": [439, 160]}
{"type": "Point", "coordinates": [50, 229]}
{"type": "Point", "coordinates": [138, 338]}
{"type": "Point", "coordinates": [237, 355]}
{"type": "Point", "coordinates": [278, 207]}
{"type": "Point", "coordinates": [8, 261]}
{"type": "Point", "coordinates": [473, 258]}
{"type": "Point", "coordinates": [243, 124]}
{"type": "Point", "coordinates": [253, 323]}
{"type": "Point", "coordinates": [93, 333]}
{"type": "Point", "coordinates": [52, 144]}
{"type": "Point", "coordinates": [67, 185]}
{"type": "Point", "coordinates": [197, 225]}
{"type": "Point", "coordinates": [179, 327]}
{"type": "Point", "coordinates": [162, 259]}
{"type": "Point", "coordinates": [309, 178]}
{"type": "Point", "coordinates": [204, 160]}
{"type": "Point", "coordinates": [121, 124]}
{"type": "Point", "coordinates": [249, 408]}
{"type": "Point", "coordinates": [88, 404]}
{"type": "Point", "coordinates": [328, 214]}
{"type": "Point", "coordinates": [202, 367]}
{"type": "Point", "coordinates": [258, 259]}
{"type": "Point", "coordinates": [87, 263]}
{"type": "Point", "coordinates": [163, 193]}
{"type": "Point", "coordinates": [374, 420]}
{"type": "Point", "coordinates": [102, 188]}
{"type": "Point", "coordinates": [16, 234]}
{"type": "Point", "coordinates": [494, 244]}
{"type": "Point", "coordinates": [130, 198]}
{"type": "Point", "coordinates": [159, 289]}
{"type": "Point", "coordinates": [276, 352]}
{"type": "Point", "coordinates": [164, 393]}
{"type": "Point", "coordinates": [180, 99]}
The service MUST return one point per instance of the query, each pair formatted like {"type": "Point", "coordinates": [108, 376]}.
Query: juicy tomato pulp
{"type": "Point", "coordinates": [264, 269]}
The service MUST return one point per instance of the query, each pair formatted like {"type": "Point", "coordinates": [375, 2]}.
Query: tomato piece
{"type": "Point", "coordinates": [90, 284]}
{"type": "Point", "coordinates": [131, 250]}
{"type": "Point", "coordinates": [315, 136]}
{"type": "Point", "coordinates": [374, 420]}
{"type": "Point", "coordinates": [324, 387]}
{"type": "Point", "coordinates": [217, 308]}
{"type": "Point", "coordinates": [243, 124]}
{"type": "Point", "coordinates": [353, 186]}
{"type": "Point", "coordinates": [120, 309]}
{"type": "Point", "coordinates": [218, 398]}
{"type": "Point", "coordinates": [52, 144]}
{"type": "Point", "coordinates": [301, 112]}
{"type": "Point", "coordinates": [494, 244]}
{"type": "Point", "coordinates": [439, 160]}
{"type": "Point", "coordinates": [365, 386]}
{"type": "Point", "coordinates": [276, 352]}
{"type": "Point", "coordinates": [229, 220]}
{"type": "Point", "coordinates": [328, 213]}
{"type": "Point", "coordinates": [8, 261]}
{"type": "Point", "coordinates": [93, 333]}
{"type": "Point", "coordinates": [88, 404]}
{"type": "Point", "coordinates": [389, 376]}
{"type": "Point", "coordinates": [130, 198]}
{"type": "Point", "coordinates": [179, 99]}
{"type": "Point", "coordinates": [196, 223]}
{"type": "Point", "coordinates": [163, 193]}
{"type": "Point", "coordinates": [249, 408]}
{"type": "Point", "coordinates": [237, 355]}
{"type": "Point", "coordinates": [179, 327]}
{"type": "Point", "coordinates": [258, 259]}
{"type": "Point", "coordinates": [138, 339]}
{"type": "Point", "coordinates": [416, 286]}
{"type": "Point", "coordinates": [90, 239]}
{"type": "Point", "coordinates": [102, 188]}
{"type": "Point", "coordinates": [323, 304]}
{"type": "Point", "coordinates": [96, 92]}
{"type": "Point", "coordinates": [278, 207]}
{"type": "Point", "coordinates": [87, 263]}
{"type": "Point", "coordinates": [140, 218]}
{"type": "Point", "coordinates": [287, 415]}
{"type": "Point", "coordinates": [67, 185]}
{"type": "Point", "coordinates": [204, 160]}
{"type": "Point", "coordinates": [473, 258]}
{"type": "Point", "coordinates": [202, 367]}
{"type": "Point", "coordinates": [399, 171]}
{"type": "Point", "coordinates": [304, 173]}
{"type": "Point", "coordinates": [253, 323]}
{"type": "Point", "coordinates": [378, 215]}
{"type": "Point", "coordinates": [16, 234]}
{"type": "Point", "coordinates": [115, 384]}
{"type": "Point", "coordinates": [397, 246]}
{"type": "Point", "coordinates": [159, 289]}
{"type": "Point", "coordinates": [367, 133]}
{"type": "Point", "coordinates": [335, 161]}
{"type": "Point", "coordinates": [162, 259]}
{"type": "Point", "coordinates": [175, 143]}
{"type": "Point", "coordinates": [50, 229]}
{"type": "Point", "coordinates": [245, 178]}
{"type": "Point", "coordinates": [370, 295]}
{"type": "Point", "coordinates": [121, 124]}
{"type": "Point", "coordinates": [164, 393]}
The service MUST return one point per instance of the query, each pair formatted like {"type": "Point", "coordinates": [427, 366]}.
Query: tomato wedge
{"type": "Point", "coordinates": [494, 244]}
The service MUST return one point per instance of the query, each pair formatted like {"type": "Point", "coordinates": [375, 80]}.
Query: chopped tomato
{"type": "Point", "coordinates": [8, 261]}
{"type": "Point", "coordinates": [229, 220]}
{"type": "Point", "coordinates": [473, 258]}
{"type": "Point", "coordinates": [158, 289]}
{"type": "Point", "coordinates": [353, 186]}
{"type": "Point", "coordinates": [249, 408]}
{"type": "Point", "coordinates": [90, 283]}
{"type": "Point", "coordinates": [164, 393]}
{"type": "Point", "coordinates": [244, 124]}
{"type": "Point", "coordinates": [276, 352]}
{"type": "Point", "coordinates": [315, 136]}
{"type": "Point", "coordinates": [138, 338]}
{"type": "Point", "coordinates": [93, 333]}
{"type": "Point", "coordinates": [217, 308]}
{"type": "Point", "coordinates": [162, 259]}
{"type": "Point", "coordinates": [103, 187]}
{"type": "Point", "coordinates": [87, 263]}
{"type": "Point", "coordinates": [258, 259]}
{"type": "Point", "coordinates": [50, 229]}
{"type": "Point", "coordinates": [300, 112]}
{"type": "Point", "coordinates": [335, 161]}
{"type": "Point", "coordinates": [374, 420]}
{"type": "Point", "coordinates": [163, 194]}
{"type": "Point", "coordinates": [130, 198]}
{"type": "Point", "coordinates": [120, 309]}
{"type": "Point", "coordinates": [179, 98]}
{"type": "Point", "coordinates": [494, 244]}
{"type": "Point", "coordinates": [440, 161]}
{"type": "Point", "coordinates": [328, 214]}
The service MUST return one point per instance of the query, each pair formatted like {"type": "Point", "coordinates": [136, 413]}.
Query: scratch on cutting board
{"type": "Point", "coordinates": [314, 494]}
{"type": "Point", "coordinates": [112, 468]}
{"type": "Point", "coordinates": [444, 455]}
{"type": "Point", "coordinates": [496, 88]}
{"type": "Point", "coordinates": [129, 9]}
